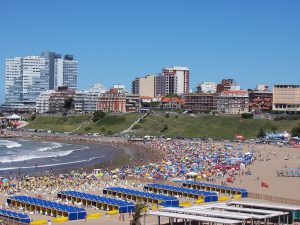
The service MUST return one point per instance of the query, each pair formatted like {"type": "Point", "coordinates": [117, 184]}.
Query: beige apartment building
{"type": "Point", "coordinates": [286, 98]}
{"type": "Point", "coordinates": [144, 86]}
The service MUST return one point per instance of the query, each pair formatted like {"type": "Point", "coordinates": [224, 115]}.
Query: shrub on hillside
{"type": "Point", "coordinates": [261, 133]}
{"type": "Point", "coordinates": [296, 131]}
{"type": "Point", "coordinates": [87, 128]}
{"type": "Point", "coordinates": [97, 115]}
{"type": "Point", "coordinates": [247, 115]}
{"type": "Point", "coordinates": [164, 128]}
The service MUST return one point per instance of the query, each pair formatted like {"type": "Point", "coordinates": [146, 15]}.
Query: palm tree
{"type": "Point", "coordinates": [138, 213]}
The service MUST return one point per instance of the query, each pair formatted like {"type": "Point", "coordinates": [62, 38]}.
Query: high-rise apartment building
{"type": "Point", "coordinates": [172, 81]}
{"type": "Point", "coordinates": [159, 86]}
{"type": "Point", "coordinates": [65, 72]}
{"type": "Point", "coordinates": [26, 77]}
{"type": "Point", "coordinates": [177, 80]}
{"type": "Point", "coordinates": [286, 99]}
{"type": "Point", "coordinates": [144, 86]}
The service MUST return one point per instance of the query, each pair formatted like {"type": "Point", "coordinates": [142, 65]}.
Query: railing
{"type": "Point", "coordinates": [274, 199]}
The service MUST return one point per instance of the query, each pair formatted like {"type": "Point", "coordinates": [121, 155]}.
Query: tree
{"type": "Point", "coordinates": [296, 131]}
{"type": "Point", "coordinates": [138, 213]}
{"type": "Point", "coordinates": [69, 103]}
{"type": "Point", "coordinates": [261, 133]}
{"type": "Point", "coordinates": [97, 115]}
{"type": "Point", "coordinates": [1, 114]}
{"type": "Point", "coordinates": [164, 128]}
{"type": "Point", "coordinates": [33, 117]}
{"type": "Point", "coordinates": [274, 128]}
{"type": "Point", "coordinates": [247, 115]}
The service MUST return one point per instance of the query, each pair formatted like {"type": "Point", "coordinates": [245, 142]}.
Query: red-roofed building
{"type": "Point", "coordinates": [260, 105]}
{"type": "Point", "coordinates": [233, 101]}
{"type": "Point", "coordinates": [171, 103]}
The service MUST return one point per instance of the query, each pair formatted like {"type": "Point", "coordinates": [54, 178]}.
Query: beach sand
{"type": "Point", "coordinates": [262, 171]}
{"type": "Point", "coordinates": [266, 171]}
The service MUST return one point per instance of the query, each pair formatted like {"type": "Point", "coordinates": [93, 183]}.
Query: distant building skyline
{"type": "Point", "coordinates": [251, 42]}
{"type": "Point", "coordinates": [26, 77]}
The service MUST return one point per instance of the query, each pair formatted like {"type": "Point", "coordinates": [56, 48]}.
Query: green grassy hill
{"type": "Point", "coordinates": [59, 123]}
{"type": "Point", "coordinates": [208, 126]}
{"type": "Point", "coordinates": [84, 124]}
{"type": "Point", "coordinates": [181, 125]}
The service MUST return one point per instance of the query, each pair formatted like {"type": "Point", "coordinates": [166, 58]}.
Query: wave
{"type": "Point", "coordinates": [51, 165]}
{"type": "Point", "coordinates": [37, 155]}
{"type": "Point", "coordinates": [54, 146]}
{"type": "Point", "coordinates": [10, 144]}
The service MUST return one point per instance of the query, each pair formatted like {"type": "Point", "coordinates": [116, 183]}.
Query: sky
{"type": "Point", "coordinates": [115, 41]}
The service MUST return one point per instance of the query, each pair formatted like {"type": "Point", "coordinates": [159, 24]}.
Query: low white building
{"type": "Point", "coordinates": [86, 101]}
{"type": "Point", "coordinates": [207, 87]}
{"type": "Point", "coordinates": [233, 102]}
{"type": "Point", "coordinates": [42, 102]}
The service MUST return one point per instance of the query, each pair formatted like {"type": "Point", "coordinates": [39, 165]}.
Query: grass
{"type": "Point", "coordinates": [181, 125]}
{"type": "Point", "coordinates": [111, 124]}
{"type": "Point", "coordinates": [82, 123]}
{"type": "Point", "coordinates": [208, 126]}
{"type": "Point", "coordinates": [59, 123]}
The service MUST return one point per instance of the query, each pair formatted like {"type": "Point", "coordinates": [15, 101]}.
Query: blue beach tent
{"type": "Point", "coordinates": [72, 212]}
{"type": "Point", "coordinates": [187, 192]}
{"type": "Point", "coordinates": [147, 197]}
{"type": "Point", "coordinates": [23, 218]}
{"type": "Point", "coordinates": [121, 205]}
{"type": "Point", "coordinates": [214, 187]}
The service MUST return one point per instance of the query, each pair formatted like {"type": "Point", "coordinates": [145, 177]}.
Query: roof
{"type": "Point", "coordinates": [164, 198]}
{"type": "Point", "coordinates": [14, 116]}
{"type": "Point", "coordinates": [47, 204]}
{"type": "Point", "coordinates": [243, 191]}
{"type": "Point", "coordinates": [24, 218]}
{"type": "Point", "coordinates": [170, 99]}
{"type": "Point", "coordinates": [145, 97]}
{"type": "Point", "coordinates": [266, 205]}
{"type": "Point", "coordinates": [195, 218]}
{"type": "Point", "coordinates": [239, 209]}
{"type": "Point", "coordinates": [234, 92]}
{"type": "Point", "coordinates": [208, 196]}
{"type": "Point", "coordinates": [100, 199]}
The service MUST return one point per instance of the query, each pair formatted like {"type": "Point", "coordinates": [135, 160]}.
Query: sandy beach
{"type": "Point", "coordinates": [267, 160]}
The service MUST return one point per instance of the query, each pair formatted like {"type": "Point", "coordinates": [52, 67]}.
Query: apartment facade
{"type": "Point", "coordinates": [233, 101]}
{"type": "Point", "coordinates": [66, 72]}
{"type": "Point", "coordinates": [26, 77]}
{"type": "Point", "coordinates": [177, 80]}
{"type": "Point", "coordinates": [112, 101]}
{"type": "Point", "coordinates": [200, 102]}
{"type": "Point", "coordinates": [286, 99]}
{"type": "Point", "coordinates": [58, 98]}
{"type": "Point", "coordinates": [227, 84]}
{"type": "Point", "coordinates": [43, 102]}
{"type": "Point", "coordinates": [85, 101]}
{"type": "Point", "coordinates": [144, 86]}
{"type": "Point", "coordinates": [207, 87]}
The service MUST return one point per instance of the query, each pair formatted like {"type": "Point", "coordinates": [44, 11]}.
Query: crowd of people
{"type": "Point", "coordinates": [200, 160]}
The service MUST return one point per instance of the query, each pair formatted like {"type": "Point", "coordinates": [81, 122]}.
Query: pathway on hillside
{"type": "Point", "coordinates": [133, 124]}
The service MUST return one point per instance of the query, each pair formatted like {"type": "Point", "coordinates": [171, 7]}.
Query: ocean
{"type": "Point", "coordinates": [37, 155]}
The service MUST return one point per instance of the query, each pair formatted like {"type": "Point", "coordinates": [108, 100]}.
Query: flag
{"type": "Point", "coordinates": [264, 185]}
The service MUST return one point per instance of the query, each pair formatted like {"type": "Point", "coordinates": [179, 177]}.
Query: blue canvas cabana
{"type": "Point", "coordinates": [182, 191]}
{"type": "Point", "coordinates": [100, 202]}
{"type": "Point", "coordinates": [47, 207]}
{"type": "Point", "coordinates": [13, 216]}
{"type": "Point", "coordinates": [135, 195]}
{"type": "Point", "coordinates": [217, 188]}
